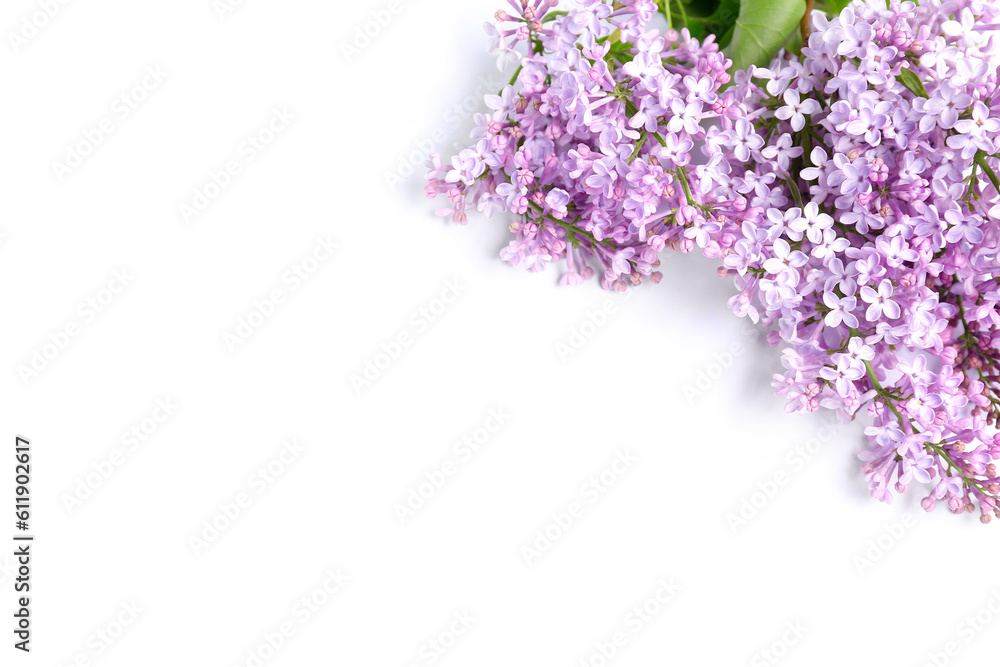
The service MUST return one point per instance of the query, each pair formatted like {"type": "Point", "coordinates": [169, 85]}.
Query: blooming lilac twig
{"type": "Point", "coordinates": [892, 204]}
{"type": "Point", "coordinates": [850, 191]}
{"type": "Point", "coordinates": [601, 119]}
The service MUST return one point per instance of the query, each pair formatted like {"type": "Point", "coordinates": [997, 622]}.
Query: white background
{"type": "Point", "coordinates": [818, 554]}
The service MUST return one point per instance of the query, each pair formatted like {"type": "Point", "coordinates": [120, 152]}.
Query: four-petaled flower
{"type": "Point", "coordinates": [744, 139]}
{"type": "Point", "coordinates": [840, 310]}
{"type": "Point", "coordinates": [785, 259]}
{"type": "Point", "coordinates": [843, 376]}
{"type": "Point", "coordinates": [796, 109]}
{"type": "Point", "coordinates": [880, 302]}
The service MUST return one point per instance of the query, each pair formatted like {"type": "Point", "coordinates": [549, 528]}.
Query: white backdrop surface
{"type": "Point", "coordinates": [209, 502]}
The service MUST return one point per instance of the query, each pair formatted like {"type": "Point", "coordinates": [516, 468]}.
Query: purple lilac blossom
{"type": "Point", "coordinates": [873, 253]}
{"type": "Point", "coordinates": [851, 192]}
{"type": "Point", "coordinates": [590, 147]}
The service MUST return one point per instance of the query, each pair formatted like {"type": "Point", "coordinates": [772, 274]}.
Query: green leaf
{"type": "Point", "coordinates": [701, 7]}
{"type": "Point", "coordinates": [912, 82]}
{"type": "Point", "coordinates": [762, 28]}
{"type": "Point", "coordinates": [718, 23]}
{"type": "Point", "coordinates": [836, 6]}
{"type": "Point", "coordinates": [552, 16]}
{"type": "Point", "coordinates": [621, 51]}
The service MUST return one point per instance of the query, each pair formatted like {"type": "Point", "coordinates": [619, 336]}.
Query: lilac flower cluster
{"type": "Point", "coordinates": [870, 236]}
{"type": "Point", "coordinates": [590, 146]}
{"type": "Point", "coordinates": [851, 191]}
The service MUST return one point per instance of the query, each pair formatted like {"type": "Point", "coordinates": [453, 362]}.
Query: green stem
{"type": "Point", "coordinates": [665, 8]}
{"type": "Point", "coordinates": [884, 395]}
{"type": "Point", "coordinates": [638, 146]}
{"type": "Point", "coordinates": [940, 451]}
{"type": "Point", "coordinates": [570, 227]}
{"type": "Point", "coordinates": [796, 195]}
{"type": "Point", "coordinates": [684, 16]}
{"type": "Point", "coordinates": [981, 161]}
{"type": "Point", "coordinates": [513, 79]}
{"type": "Point", "coordinates": [687, 188]}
